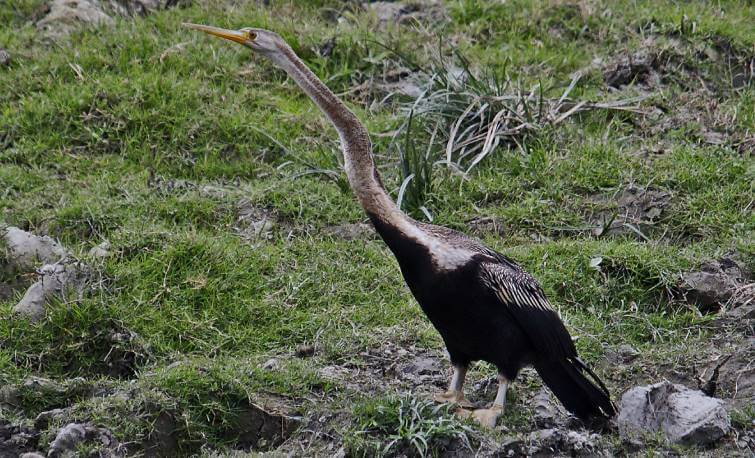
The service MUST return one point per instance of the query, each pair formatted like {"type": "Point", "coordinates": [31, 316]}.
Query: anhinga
{"type": "Point", "coordinates": [482, 303]}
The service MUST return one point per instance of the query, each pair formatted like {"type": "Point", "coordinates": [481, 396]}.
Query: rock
{"type": "Point", "coordinates": [32, 455]}
{"type": "Point", "coordinates": [10, 397]}
{"type": "Point", "coordinates": [271, 364]}
{"type": "Point", "coordinates": [32, 305]}
{"type": "Point", "coordinates": [43, 420]}
{"type": "Point", "coordinates": [70, 436]}
{"type": "Point", "coordinates": [63, 16]}
{"type": "Point", "coordinates": [625, 354]}
{"type": "Point", "coordinates": [546, 413]}
{"type": "Point", "coordinates": [558, 442]}
{"type": "Point", "coordinates": [716, 284]}
{"type": "Point", "coordinates": [736, 376]}
{"type": "Point", "coordinates": [639, 67]}
{"type": "Point", "coordinates": [685, 416]}
{"type": "Point", "coordinates": [26, 250]}
{"type": "Point", "coordinates": [100, 251]}
{"type": "Point", "coordinates": [305, 351]}
{"type": "Point", "coordinates": [66, 15]}
{"type": "Point", "coordinates": [42, 386]}
{"type": "Point", "coordinates": [405, 12]}
{"type": "Point", "coordinates": [56, 280]}
{"type": "Point", "coordinates": [67, 439]}
{"type": "Point", "coordinates": [258, 428]}
{"type": "Point", "coordinates": [4, 57]}
{"type": "Point", "coordinates": [16, 439]}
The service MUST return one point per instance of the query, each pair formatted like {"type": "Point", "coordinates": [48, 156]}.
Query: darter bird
{"type": "Point", "coordinates": [483, 304]}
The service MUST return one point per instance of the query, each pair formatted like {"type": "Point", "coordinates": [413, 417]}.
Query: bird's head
{"type": "Point", "coordinates": [258, 40]}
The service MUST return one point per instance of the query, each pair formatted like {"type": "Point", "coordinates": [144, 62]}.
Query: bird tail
{"type": "Point", "coordinates": [587, 398]}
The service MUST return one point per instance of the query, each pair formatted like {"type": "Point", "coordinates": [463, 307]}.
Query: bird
{"type": "Point", "coordinates": [482, 303]}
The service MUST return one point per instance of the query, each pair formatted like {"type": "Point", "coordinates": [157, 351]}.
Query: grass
{"type": "Point", "coordinates": [94, 129]}
{"type": "Point", "coordinates": [405, 425]}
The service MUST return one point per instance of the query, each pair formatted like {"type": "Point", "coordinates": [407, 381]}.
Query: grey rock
{"type": "Point", "coordinates": [684, 416]}
{"type": "Point", "coordinates": [66, 15]}
{"type": "Point", "coordinates": [546, 413]}
{"type": "Point", "coordinates": [558, 441]}
{"type": "Point", "coordinates": [16, 439]}
{"type": "Point", "coordinates": [709, 289]}
{"type": "Point", "coordinates": [32, 305]}
{"type": "Point", "coordinates": [43, 420]}
{"type": "Point", "coordinates": [100, 251]}
{"type": "Point", "coordinates": [42, 385]}
{"type": "Point", "coordinates": [26, 251]}
{"type": "Point", "coordinates": [56, 280]}
{"type": "Point", "coordinates": [257, 427]}
{"type": "Point", "coordinates": [717, 284]}
{"type": "Point", "coordinates": [625, 354]}
{"type": "Point", "coordinates": [32, 455]}
{"type": "Point", "coordinates": [70, 436]}
{"type": "Point", "coordinates": [421, 365]}
{"type": "Point", "coordinates": [10, 396]}
{"type": "Point", "coordinates": [271, 364]}
{"type": "Point", "coordinates": [67, 439]}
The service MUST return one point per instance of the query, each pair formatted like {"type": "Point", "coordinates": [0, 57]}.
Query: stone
{"type": "Point", "coordinates": [32, 304]}
{"type": "Point", "coordinates": [684, 416]}
{"type": "Point", "coordinates": [546, 413]}
{"type": "Point", "coordinates": [67, 439]}
{"type": "Point", "coordinates": [10, 396]}
{"type": "Point", "coordinates": [259, 428]}
{"type": "Point", "coordinates": [26, 251]}
{"type": "Point", "coordinates": [100, 251]}
{"type": "Point", "coordinates": [558, 442]}
{"type": "Point", "coordinates": [271, 364]}
{"type": "Point", "coordinates": [66, 15]}
{"type": "Point", "coordinates": [43, 420]}
{"type": "Point", "coordinates": [56, 280]}
{"type": "Point", "coordinates": [305, 351]}
{"type": "Point", "coordinates": [717, 284]}
{"type": "Point", "coordinates": [31, 455]}
{"type": "Point", "coordinates": [70, 436]}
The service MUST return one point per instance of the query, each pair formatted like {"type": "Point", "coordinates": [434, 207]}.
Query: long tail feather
{"type": "Point", "coordinates": [587, 399]}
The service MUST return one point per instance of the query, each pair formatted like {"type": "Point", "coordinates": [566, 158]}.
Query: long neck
{"type": "Point", "coordinates": [355, 141]}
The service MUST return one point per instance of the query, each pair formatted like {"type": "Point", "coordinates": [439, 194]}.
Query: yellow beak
{"type": "Point", "coordinates": [233, 35]}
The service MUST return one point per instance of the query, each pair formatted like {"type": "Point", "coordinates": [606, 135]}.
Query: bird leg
{"type": "Point", "coordinates": [455, 393]}
{"type": "Point", "coordinates": [488, 417]}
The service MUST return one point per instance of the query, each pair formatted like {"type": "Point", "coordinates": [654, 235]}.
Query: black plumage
{"type": "Point", "coordinates": [490, 309]}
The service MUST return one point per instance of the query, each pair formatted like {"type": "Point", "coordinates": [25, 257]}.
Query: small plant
{"type": "Point", "coordinates": [416, 172]}
{"type": "Point", "coordinates": [395, 426]}
{"type": "Point", "coordinates": [476, 114]}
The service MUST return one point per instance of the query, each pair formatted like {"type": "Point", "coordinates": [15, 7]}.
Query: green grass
{"type": "Point", "coordinates": [88, 123]}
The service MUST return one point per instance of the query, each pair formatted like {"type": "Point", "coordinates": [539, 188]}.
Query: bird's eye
{"type": "Point", "coordinates": [251, 35]}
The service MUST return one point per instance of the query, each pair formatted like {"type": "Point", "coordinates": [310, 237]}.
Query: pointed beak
{"type": "Point", "coordinates": [233, 35]}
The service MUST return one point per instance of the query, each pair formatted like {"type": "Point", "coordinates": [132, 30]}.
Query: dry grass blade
{"type": "Point", "coordinates": [482, 113]}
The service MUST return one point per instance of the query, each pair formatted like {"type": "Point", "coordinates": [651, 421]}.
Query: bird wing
{"type": "Point", "coordinates": [524, 301]}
